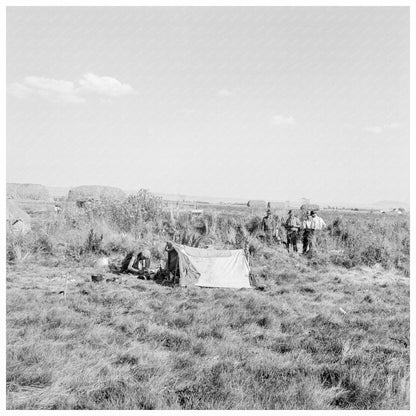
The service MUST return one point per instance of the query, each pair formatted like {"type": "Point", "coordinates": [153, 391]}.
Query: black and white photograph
{"type": "Point", "coordinates": [207, 206]}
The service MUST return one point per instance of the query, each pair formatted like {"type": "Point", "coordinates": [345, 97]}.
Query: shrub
{"type": "Point", "coordinates": [43, 244]}
{"type": "Point", "coordinates": [93, 243]}
{"type": "Point", "coordinates": [141, 220]}
{"type": "Point", "coordinates": [366, 240]}
{"type": "Point", "coordinates": [253, 225]}
{"type": "Point", "coordinates": [17, 247]}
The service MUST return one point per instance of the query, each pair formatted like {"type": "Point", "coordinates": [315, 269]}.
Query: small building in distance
{"type": "Point", "coordinates": [88, 193]}
{"type": "Point", "coordinates": [257, 203]}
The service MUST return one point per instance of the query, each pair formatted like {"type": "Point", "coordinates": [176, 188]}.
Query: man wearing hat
{"type": "Point", "coordinates": [307, 233]}
{"type": "Point", "coordinates": [317, 222]}
{"type": "Point", "coordinates": [268, 226]}
{"type": "Point", "coordinates": [312, 224]}
{"type": "Point", "coordinates": [292, 226]}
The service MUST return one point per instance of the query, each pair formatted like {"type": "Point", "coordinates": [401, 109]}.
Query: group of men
{"type": "Point", "coordinates": [295, 229]}
{"type": "Point", "coordinates": [138, 261]}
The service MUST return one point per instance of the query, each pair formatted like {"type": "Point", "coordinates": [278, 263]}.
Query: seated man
{"type": "Point", "coordinates": [136, 262]}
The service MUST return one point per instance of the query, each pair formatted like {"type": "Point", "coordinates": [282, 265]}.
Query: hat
{"type": "Point", "coordinates": [312, 212]}
{"type": "Point", "coordinates": [289, 212]}
{"type": "Point", "coordinates": [146, 254]}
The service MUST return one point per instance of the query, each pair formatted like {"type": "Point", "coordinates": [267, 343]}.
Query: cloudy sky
{"type": "Point", "coordinates": [272, 103]}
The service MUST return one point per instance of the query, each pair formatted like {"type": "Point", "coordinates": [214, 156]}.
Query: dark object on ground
{"type": "Point", "coordinates": [161, 276]}
{"type": "Point", "coordinates": [85, 292]}
{"type": "Point", "coordinates": [112, 279]}
{"type": "Point", "coordinates": [253, 281]}
{"type": "Point", "coordinates": [261, 288]}
{"type": "Point", "coordinates": [145, 275]}
{"type": "Point", "coordinates": [167, 283]}
{"type": "Point", "coordinates": [62, 292]}
{"type": "Point", "coordinates": [97, 277]}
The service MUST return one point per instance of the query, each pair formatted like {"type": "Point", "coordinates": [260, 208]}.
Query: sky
{"type": "Point", "coordinates": [274, 103]}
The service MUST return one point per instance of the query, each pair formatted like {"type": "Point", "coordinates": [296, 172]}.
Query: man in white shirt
{"type": "Point", "coordinates": [317, 222]}
{"type": "Point", "coordinates": [310, 226]}
{"type": "Point", "coordinates": [307, 233]}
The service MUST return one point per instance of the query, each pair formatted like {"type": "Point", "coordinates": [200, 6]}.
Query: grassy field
{"type": "Point", "coordinates": [313, 339]}
{"type": "Point", "coordinates": [329, 332]}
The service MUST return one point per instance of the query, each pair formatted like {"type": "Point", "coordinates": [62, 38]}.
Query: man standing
{"type": "Point", "coordinates": [307, 234]}
{"type": "Point", "coordinates": [268, 226]}
{"type": "Point", "coordinates": [317, 222]}
{"type": "Point", "coordinates": [172, 265]}
{"type": "Point", "coordinates": [292, 226]}
{"type": "Point", "coordinates": [312, 224]}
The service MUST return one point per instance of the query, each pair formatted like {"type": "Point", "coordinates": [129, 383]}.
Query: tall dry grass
{"type": "Point", "coordinates": [142, 220]}
{"type": "Point", "coordinates": [323, 334]}
{"type": "Point", "coordinates": [139, 345]}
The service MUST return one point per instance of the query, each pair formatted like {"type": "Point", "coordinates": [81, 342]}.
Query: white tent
{"type": "Point", "coordinates": [211, 268]}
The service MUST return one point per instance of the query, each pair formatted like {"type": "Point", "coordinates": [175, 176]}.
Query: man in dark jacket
{"type": "Point", "coordinates": [172, 265]}
{"type": "Point", "coordinates": [292, 226]}
{"type": "Point", "coordinates": [268, 226]}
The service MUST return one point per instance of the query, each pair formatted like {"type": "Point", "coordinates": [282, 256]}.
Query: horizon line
{"type": "Point", "coordinates": [227, 198]}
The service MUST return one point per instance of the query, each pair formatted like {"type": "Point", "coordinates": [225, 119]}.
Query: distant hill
{"type": "Point", "coordinates": [380, 205]}
{"type": "Point", "coordinates": [30, 191]}
{"type": "Point", "coordinates": [58, 191]}
{"type": "Point", "coordinates": [195, 198]}
{"type": "Point", "coordinates": [387, 205]}
{"type": "Point", "coordinates": [62, 191]}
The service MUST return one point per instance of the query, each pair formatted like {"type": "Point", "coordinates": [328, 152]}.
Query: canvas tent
{"type": "Point", "coordinates": [209, 267]}
{"type": "Point", "coordinates": [18, 221]}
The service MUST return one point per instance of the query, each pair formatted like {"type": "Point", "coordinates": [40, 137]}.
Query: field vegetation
{"type": "Point", "coordinates": [326, 332]}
